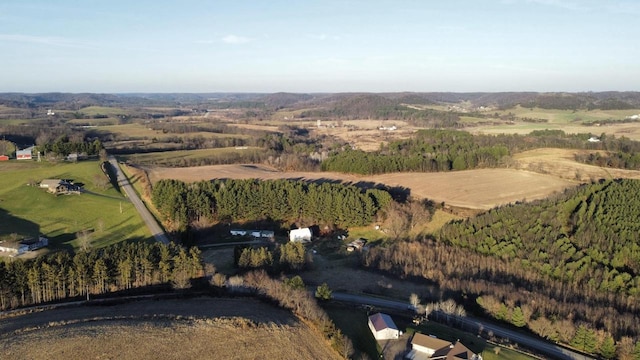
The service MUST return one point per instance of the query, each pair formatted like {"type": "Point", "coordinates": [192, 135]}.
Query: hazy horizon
{"type": "Point", "coordinates": [319, 47]}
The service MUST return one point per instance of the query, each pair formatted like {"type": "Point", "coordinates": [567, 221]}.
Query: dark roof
{"type": "Point", "coordinates": [382, 321]}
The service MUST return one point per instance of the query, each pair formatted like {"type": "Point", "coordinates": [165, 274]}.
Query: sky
{"type": "Point", "coordinates": [319, 46]}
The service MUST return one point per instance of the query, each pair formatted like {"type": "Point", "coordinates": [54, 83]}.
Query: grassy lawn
{"type": "Point", "coordinates": [30, 210]}
{"type": "Point", "coordinates": [353, 323]}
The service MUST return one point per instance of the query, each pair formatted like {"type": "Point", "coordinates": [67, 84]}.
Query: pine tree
{"type": "Point", "coordinates": [585, 339]}
{"type": "Point", "coordinates": [608, 348]}
{"type": "Point", "coordinates": [517, 317]}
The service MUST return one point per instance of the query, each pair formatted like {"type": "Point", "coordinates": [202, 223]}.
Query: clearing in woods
{"type": "Point", "coordinates": [199, 328]}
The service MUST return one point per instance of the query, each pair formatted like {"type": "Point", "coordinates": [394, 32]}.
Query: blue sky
{"type": "Point", "coordinates": [319, 46]}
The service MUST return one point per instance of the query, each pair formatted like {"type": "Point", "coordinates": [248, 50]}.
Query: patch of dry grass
{"type": "Point", "coordinates": [202, 328]}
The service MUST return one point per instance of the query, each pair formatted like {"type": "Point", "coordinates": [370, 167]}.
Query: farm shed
{"type": "Point", "coordinates": [300, 235]}
{"type": "Point", "coordinates": [4, 158]}
{"type": "Point", "coordinates": [256, 234]}
{"type": "Point", "coordinates": [25, 154]}
{"type": "Point", "coordinates": [425, 347]}
{"type": "Point", "coordinates": [382, 327]}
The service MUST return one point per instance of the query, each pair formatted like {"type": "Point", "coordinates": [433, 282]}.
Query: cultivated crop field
{"type": "Point", "coordinates": [101, 211]}
{"type": "Point", "coordinates": [200, 328]}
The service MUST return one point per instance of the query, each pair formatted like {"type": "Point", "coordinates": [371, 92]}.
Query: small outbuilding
{"type": "Point", "coordinates": [302, 235]}
{"type": "Point", "coordinates": [25, 154]}
{"type": "Point", "coordinates": [382, 327]}
{"type": "Point", "coordinates": [4, 158]}
{"type": "Point", "coordinates": [256, 234]}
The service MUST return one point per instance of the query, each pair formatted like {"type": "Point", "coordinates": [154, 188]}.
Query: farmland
{"type": "Point", "coordinates": [100, 211]}
{"type": "Point", "coordinates": [151, 329]}
{"type": "Point", "coordinates": [477, 189]}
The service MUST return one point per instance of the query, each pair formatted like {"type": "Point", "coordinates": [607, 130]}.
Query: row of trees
{"type": "Point", "coordinates": [287, 257]}
{"type": "Point", "coordinates": [117, 267]}
{"type": "Point", "coordinates": [293, 296]}
{"type": "Point", "coordinates": [181, 204]}
{"type": "Point", "coordinates": [444, 150]}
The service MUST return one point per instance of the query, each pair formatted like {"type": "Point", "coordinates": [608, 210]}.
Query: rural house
{"type": "Point", "coordinates": [59, 186]}
{"type": "Point", "coordinates": [302, 235]}
{"type": "Point", "coordinates": [21, 247]}
{"type": "Point", "coordinates": [424, 347]}
{"type": "Point", "coordinates": [382, 327]}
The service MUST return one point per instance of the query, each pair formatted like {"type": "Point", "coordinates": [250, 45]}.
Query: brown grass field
{"type": "Point", "coordinates": [532, 175]}
{"type": "Point", "coordinates": [200, 328]}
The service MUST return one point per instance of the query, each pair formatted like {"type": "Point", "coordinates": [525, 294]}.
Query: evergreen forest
{"type": "Point", "coordinates": [181, 203]}
{"type": "Point", "coordinates": [552, 265]}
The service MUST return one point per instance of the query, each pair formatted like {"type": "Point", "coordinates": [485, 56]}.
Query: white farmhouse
{"type": "Point", "coordinates": [300, 235]}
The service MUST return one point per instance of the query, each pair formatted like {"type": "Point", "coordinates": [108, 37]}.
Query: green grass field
{"type": "Point", "coordinates": [103, 110]}
{"type": "Point", "coordinates": [29, 210]}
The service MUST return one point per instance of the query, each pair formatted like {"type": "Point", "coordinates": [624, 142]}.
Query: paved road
{"type": "Point", "coordinates": [541, 346]}
{"type": "Point", "coordinates": [157, 232]}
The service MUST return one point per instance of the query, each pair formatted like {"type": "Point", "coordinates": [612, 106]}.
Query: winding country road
{"type": "Point", "coordinates": [543, 347]}
{"type": "Point", "coordinates": [157, 231]}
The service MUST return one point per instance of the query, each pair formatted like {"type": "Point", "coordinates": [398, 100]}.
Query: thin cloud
{"type": "Point", "coordinates": [44, 40]}
{"type": "Point", "coordinates": [323, 37]}
{"type": "Point", "coordinates": [563, 4]}
{"type": "Point", "coordinates": [234, 39]}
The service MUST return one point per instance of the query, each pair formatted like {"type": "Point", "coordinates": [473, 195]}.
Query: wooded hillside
{"type": "Point", "coordinates": [568, 261]}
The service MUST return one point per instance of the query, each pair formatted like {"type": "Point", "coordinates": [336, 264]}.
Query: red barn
{"type": "Point", "coordinates": [4, 158]}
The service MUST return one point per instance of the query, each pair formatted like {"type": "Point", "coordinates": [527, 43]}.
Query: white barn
{"type": "Point", "coordinates": [300, 235]}
{"type": "Point", "coordinates": [382, 327]}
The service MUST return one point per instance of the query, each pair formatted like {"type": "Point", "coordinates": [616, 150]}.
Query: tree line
{"type": "Point", "coordinates": [117, 267]}
{"type": "Point", "coordinates": [181, 204]}
{"type": "Point", "coordinates": [445, 150]}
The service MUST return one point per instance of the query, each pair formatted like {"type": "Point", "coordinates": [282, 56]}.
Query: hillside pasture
{"type": "Point", "coordinates": [198, 328]}
{"type": "Point", "coordinates": [102, 213]}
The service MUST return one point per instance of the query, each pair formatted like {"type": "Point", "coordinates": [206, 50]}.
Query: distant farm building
{"type": "Point", "coordinates": [382, 327]}
{"type": "Point", "coordinates": [59, 186]}
{"type": "Point", "coordinates": [256, 234]}
{"type": "Point", "coordinates": [424, 347]}
{"type": "Point", "coordinates": [25, 154]}
{"type": "Point", "coordinates": [302, 235]}
{"type": "Point", "coordinates": [4, 158]}
{"type": "Point", "coordinates": [22, 246]}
